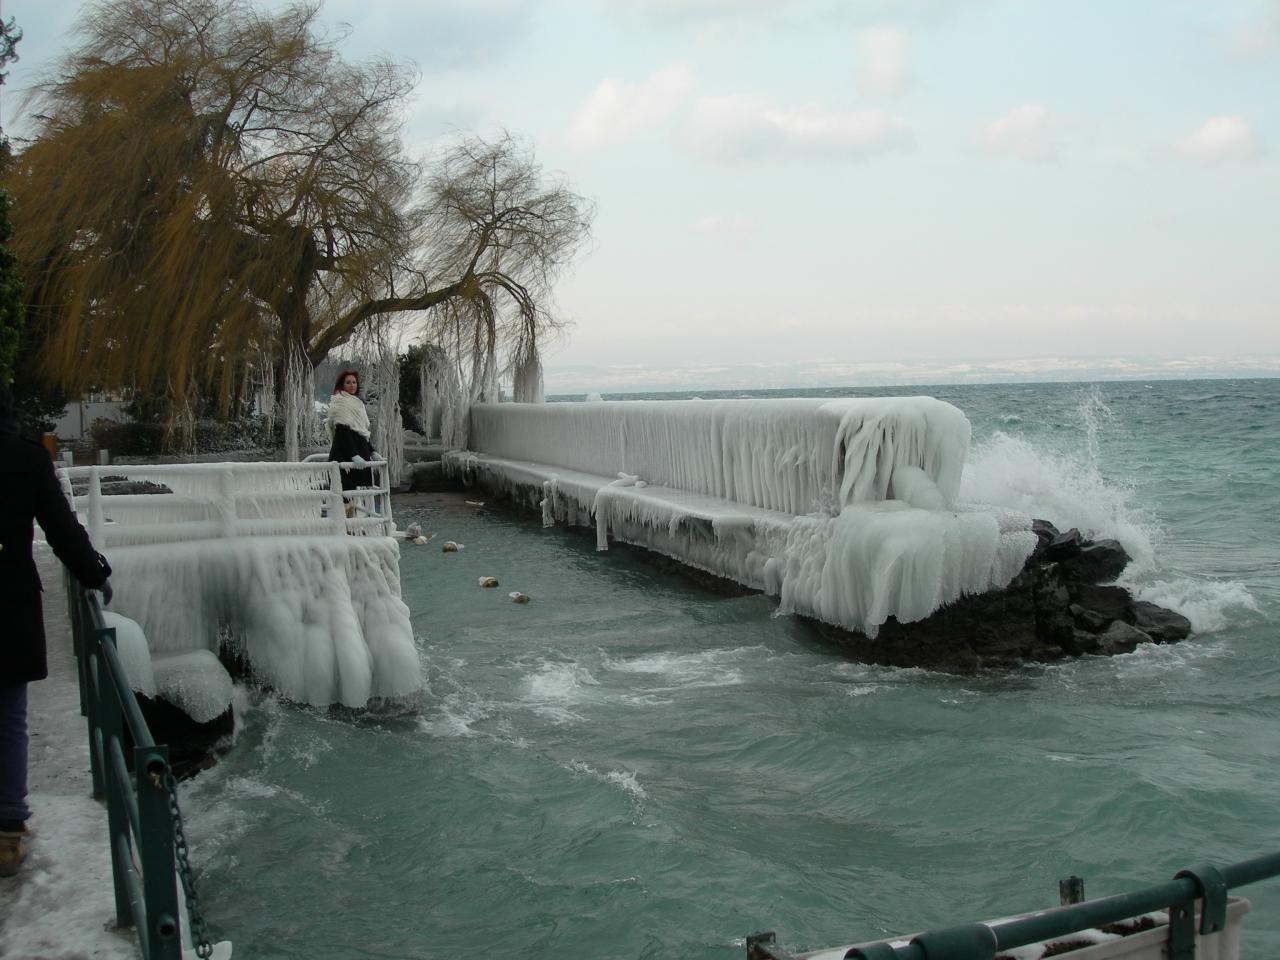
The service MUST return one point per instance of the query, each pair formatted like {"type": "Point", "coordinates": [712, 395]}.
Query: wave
{"type": "Point", "coordinates": [1065, 487]}
{"type": "Point", "coordinates": [704, 669]}
{"type": "Point", "coordinates": [1208, 604]}
{"type": "Point", "coordinates": [624, 780]}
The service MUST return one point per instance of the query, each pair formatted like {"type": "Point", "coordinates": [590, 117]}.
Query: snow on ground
{"type": "Point", "coordinates": [60, 906]}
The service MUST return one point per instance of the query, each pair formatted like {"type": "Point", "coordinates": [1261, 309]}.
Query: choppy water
{"type": "Point", "coordinates": [632, 767]}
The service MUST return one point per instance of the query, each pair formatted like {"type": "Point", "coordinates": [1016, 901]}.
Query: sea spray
{"type": "Point", "coordinates": [1067, 486]}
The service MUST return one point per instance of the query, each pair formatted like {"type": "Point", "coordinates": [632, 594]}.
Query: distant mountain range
{"type": "Point", "coordinates": [569, 379]}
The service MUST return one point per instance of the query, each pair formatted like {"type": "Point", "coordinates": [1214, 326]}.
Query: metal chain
{"type": "Point", "coordinates": [199, 930]}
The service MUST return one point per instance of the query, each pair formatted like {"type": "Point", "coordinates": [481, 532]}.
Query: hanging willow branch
{"type": "Point", "coordinates": [207, 177]}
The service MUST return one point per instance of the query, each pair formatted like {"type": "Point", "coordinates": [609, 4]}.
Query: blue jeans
{"type": "Point", "coordinates": [13, 756]}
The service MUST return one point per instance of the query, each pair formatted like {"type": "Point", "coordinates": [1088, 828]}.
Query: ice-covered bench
{"type": "Point", "coordinates": [844, 508]}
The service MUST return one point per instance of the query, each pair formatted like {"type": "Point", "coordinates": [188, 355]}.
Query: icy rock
{"type": "Point", "coordinates": [195, 682]}
{"type": "Point", "coordinates": [135, 656]}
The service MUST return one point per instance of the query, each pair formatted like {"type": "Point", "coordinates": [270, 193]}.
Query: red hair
{"type": "Point", "coordinates": [337, 384]}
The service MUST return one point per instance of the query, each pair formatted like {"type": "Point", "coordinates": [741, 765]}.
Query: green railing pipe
{"type": "Point", "coordinates": [140, 813]}
{"type": "Point", "coordinates": [982, 941]}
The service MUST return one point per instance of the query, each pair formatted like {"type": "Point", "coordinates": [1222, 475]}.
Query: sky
{"type": "Point", "coordinates": [832, 192]}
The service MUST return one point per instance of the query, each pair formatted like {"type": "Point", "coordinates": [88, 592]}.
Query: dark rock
{"type": "Point", "coordinates": [1163, 626]}
{"type": "Point", "coordinates": [1064, 545]}
{"type": "Point", "coordinates": [431, 478]}
{"type": "Point", "coordinates": [1121, 637]}
{"type": "Point", "coordinates": [1097, 562]}
{"type": "Point", "coordinates": [1045, 533]}
{"type": "Point", "coordinates": [1110, 603]}
{"type": "Point", "coordinates": [192, 746]}
{"type": "Point", "coordinates": [1082, 642]}
{"type": "Point", "coordinates": [1088, 620]}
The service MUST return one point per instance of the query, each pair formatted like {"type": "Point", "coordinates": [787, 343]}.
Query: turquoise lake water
{"type": "Point", "coordinates": [632, 767]}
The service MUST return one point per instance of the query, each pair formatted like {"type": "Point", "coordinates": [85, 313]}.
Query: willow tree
{"type": "Point", "coordinates": [210, 184]}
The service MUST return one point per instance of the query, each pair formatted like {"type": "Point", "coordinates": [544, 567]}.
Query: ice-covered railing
{"type": "Point", "coordinates": [844, 508]}
{"type": "Point", "coordinates": [217, 500]}
{"type": "Point", "coordinates": [259, 560]}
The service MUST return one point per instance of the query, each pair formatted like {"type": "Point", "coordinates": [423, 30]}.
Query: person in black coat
{"type": "Point", "coordinates": [347, 424]}
{"type": "Point", "coordinates": [29, 491]}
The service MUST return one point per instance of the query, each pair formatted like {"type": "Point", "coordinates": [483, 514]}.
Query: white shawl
{"type": "Point", "coordinates": [346, 409]}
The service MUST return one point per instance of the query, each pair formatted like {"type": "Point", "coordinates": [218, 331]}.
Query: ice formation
{"type": "Point", "coordinates": [134, 656]}
{"type": "Point", "coordinates": [846, 508]}
{"type": "Point", "coordinates": [195, 682]}
{"type": "Point", "coordinates": [256, 556]}
{"type": "Point", "coordinates": [319, 619]}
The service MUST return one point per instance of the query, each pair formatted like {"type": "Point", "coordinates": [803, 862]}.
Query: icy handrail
{"type": "Point", "coordinates": [229, 500]}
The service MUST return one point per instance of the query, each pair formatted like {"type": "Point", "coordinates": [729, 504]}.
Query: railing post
{"type": "Point", "coordinates": [337, 505]}
{"type": "Point", "coordinates": [110, 724]}
{"type": "Point", "coordinates": [227, 490]}
{"type": "Point", "coordinates": [91, 705]}
{"type": "Point", "coordinates": [155, 852]}
{"type": "Point", "coordinates": [95, 508]}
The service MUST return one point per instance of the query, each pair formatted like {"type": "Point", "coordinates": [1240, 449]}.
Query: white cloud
{"type": "Point", "coordinates": [742, 127]}
{"type": "Point", "coordinates": [1259, 38]}
{"type": "Point", "coordinates": [1219, 138]}
{"type": "Point", "coordinates": [615, 111]}
{"type": "Point", "coordinates": [882, 60]}
{"type": "Point", "coordinates": [716, 225]}
{"type": "Point", "coordinates": [1025, 132]}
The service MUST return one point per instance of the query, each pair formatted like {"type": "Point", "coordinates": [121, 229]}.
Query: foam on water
{"type": "Point", "coordinates": [706, 668]}
{"type": "Point", "coordinates": [624, 780]}
{"type": "Point", "coordinates": [1210, 605]}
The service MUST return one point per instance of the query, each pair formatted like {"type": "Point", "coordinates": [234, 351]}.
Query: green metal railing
{"type": "Point", "coordinates": [980, 941]}
{"type": "Point", "coordinates": [148, 847]}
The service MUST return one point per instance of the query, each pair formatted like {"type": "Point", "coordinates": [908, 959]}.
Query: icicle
{"type": "Point", "coordinates": [382, 394]}
{"type": "Point", "coordinates": [526, 378]}
{"type": "Point", "coordinates": [548, 503]}
{"type": "Point", "coordinates": [299, 404]}
{"type": "Point", "coordinates": [266, 391]}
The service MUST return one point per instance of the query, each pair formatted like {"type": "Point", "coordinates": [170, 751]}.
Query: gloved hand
{"type": "Point", "coordinates": [105, 590]}
{"type": "Point", "coordinates": [360, 461]}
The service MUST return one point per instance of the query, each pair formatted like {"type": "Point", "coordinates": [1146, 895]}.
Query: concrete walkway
{"type": "Point", "coordinates": [60, 906]}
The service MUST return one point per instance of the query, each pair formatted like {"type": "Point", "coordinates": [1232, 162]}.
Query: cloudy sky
{"type": "Point", "coordinates": [806, 191]}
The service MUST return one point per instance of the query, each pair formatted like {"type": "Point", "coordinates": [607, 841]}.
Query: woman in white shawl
{"type": "Point", "coordinates": [347, 424]}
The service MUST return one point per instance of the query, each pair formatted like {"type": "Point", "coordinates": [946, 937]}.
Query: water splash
{"type": "Point", "coordinates": [1066, 486]}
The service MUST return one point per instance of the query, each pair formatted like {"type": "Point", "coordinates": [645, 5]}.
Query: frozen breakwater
{"type": "Point", "coordinates": [845, 509]}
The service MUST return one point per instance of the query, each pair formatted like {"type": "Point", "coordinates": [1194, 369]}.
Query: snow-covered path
{"type": "Point", "coordinates": [60, 905]}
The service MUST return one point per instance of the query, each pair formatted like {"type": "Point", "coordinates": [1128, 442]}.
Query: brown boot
{"type": "Point", "coordinates": [12, 851]}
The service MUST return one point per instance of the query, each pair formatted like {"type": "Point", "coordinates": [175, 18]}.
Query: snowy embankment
{"type": "Point", "coordinates": [846, 509]}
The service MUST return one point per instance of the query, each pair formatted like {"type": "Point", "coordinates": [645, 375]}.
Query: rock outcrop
{"type": "Point", "coordinates": [1058, 606]}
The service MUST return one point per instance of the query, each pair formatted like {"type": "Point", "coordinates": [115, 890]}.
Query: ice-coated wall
{"type": "Point", "coordinates": [319, 619]}
{"type": "Point", "coordinates": [844, 508]}
{"type": "Point", "coordinates": [791, 455]}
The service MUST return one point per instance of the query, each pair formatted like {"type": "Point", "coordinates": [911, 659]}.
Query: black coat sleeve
{"type": "Point", "coordinates": [69, 540]}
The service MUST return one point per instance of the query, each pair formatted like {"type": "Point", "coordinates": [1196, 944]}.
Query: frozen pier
{"type": "Point", "coordinates": [846, 509]}
{"type": "Point", "coordinates": [274, 560]}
